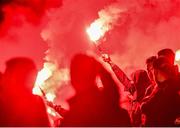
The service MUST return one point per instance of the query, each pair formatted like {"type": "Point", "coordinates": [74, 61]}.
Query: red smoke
{"type": "Point", "coordinates": [146, 27]}
{"type": "Point", "coordinates": [15, 11]}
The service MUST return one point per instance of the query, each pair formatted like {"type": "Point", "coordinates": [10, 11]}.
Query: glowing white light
{"type": "Point", "coordinates": [36, 90]}
{"type": "Point", "coordinates": [42, 76]}
{"type": "Point", "coordinates": [95, 31]}
{"type": "Point", "coordinates": [177, 57]}
{"type": "Point", "coordinates": [50, 97]}
{"type": "Point", "coordinates": [51, 112]}
{"type": "Point", "coordinates": [108, 17]}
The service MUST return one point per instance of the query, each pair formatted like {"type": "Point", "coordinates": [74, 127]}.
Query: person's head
{"type": "Point", "coordinates": [149, 67]}
{"type": "Point", "coordinates": [141, 81]}
{"type": "Point", "coordinates": [163, 70]}
{"type": "Point", "coordinates": [20, 72]}
{"type": "Point", "coordinates": [168, 54]}
{"type": "Point", "coordinates": [83, 71]}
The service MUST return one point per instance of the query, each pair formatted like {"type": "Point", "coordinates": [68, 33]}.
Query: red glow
{"type": "Point", "coordinates": [30, 27]}
{"type": "Point", "coordinates": [30, 10]}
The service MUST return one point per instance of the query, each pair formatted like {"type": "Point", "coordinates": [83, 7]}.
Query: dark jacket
{"type": "Point", "coordinates": [23, 110]}
{"type": "Point", "coordinates": [164, 107]}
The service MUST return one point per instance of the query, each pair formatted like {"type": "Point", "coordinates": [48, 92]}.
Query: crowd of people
{"type": "Point", "coordinates": [154, 94]}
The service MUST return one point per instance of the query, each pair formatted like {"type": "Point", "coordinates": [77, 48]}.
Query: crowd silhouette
{"type": "Point", "coordinates": [93, 106]}
{"type": "Point", "coordinates": [19, 107]}
{"type": "Point", "coordinates": [154, 94]}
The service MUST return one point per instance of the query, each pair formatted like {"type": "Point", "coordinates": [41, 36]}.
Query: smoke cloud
{"type": "Point", "coordinates": [143, 28]}
{"type": "Point", "coordinates": [30, 28]}
{"type": "Point", "coordinates": [21, 23]}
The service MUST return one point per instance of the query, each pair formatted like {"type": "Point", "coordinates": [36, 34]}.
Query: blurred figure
{"type": "Point", "coordinates": [122, 77]}
{"type": "Point", "coordinates": [142, 82]}
{"type": "Point", "coordinates": [170, 56]}
{"type": "Point", "coordinates": [149, 67]}
{"type": "Point", "coordinates": [151, 89]}
{"type": "Point", "coordinates": [112, 98]}
{"type": "Point", "coordinates": [93, 106]}
{"type": "Point", "coordinates": [19, 107]}
{"type": "Point", "coordinates": [153, 86]}
{"type": "Point", "coordinates": [162, 109]}
{"type": "Point", "coordinates": [135, 86]}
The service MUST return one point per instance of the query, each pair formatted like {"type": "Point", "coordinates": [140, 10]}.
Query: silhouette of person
{"type": "Point", "coordinates": [150, 70]}
{"type": "Point", "coordinates": [19, 107]}
{"type": "Point", "coordinates": [170, 56]}
{"type": "Point", "coordinates": [92, 106]}
{"type": "Point", "coordinates": [136, 86]}
{"type": "Point", "coordinates": [162, 109]}
{"type": "Point", "coordinates": [141, 82]}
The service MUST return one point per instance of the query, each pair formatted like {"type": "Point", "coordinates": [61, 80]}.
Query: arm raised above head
{"type": "Point", "coordinates": [122, 77]}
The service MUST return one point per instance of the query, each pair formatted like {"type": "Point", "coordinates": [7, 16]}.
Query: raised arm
{"type": "Point", "coordinates": [122, 77]}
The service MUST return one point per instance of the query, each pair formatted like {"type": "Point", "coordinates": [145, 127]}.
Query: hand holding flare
{"type": "Point", "coordinates": [96, 32]}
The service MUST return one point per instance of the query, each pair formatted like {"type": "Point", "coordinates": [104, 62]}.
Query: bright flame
{"type": "Point", "coordinates": [42, 76]}
{"type": "Point", "coordinates": [50, 97]}
{"type": "Point", "coordinates": [108, 18]}
{"type": "Point", "coordinates": [36, 90]}
{"type": "Point", "coordinates": [177, 57]}
{"type": "Point", "coordinates": [96, 30]}
{"type": "Point", "coordinates": [51, 112]}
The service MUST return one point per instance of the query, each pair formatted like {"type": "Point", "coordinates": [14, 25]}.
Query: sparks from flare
{"type": "Point", "coordinates": [50, 97]}
{"type": "Point", "coordinates": [42, 76]}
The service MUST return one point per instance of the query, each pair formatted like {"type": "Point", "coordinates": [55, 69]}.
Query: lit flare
{"type": "Point", "coordinates": [97, 30]}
